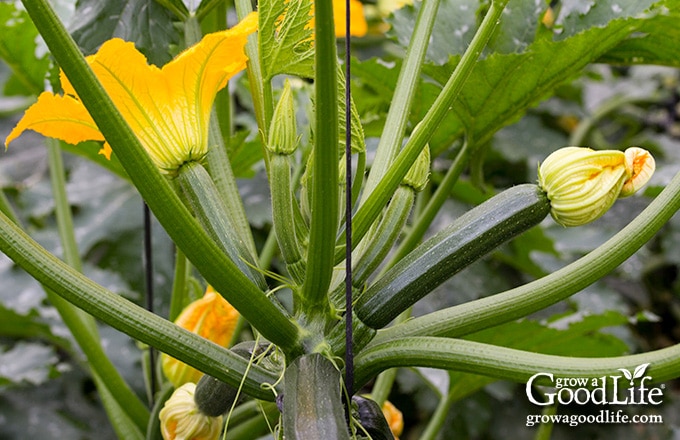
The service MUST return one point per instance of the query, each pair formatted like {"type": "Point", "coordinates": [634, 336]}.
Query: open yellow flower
{"type": "Point", "coordinates": [168, 108]}
{"type": "Point", "coordinates": [357, 26]}
{"type": "Point", "coordinates": [211, 317]}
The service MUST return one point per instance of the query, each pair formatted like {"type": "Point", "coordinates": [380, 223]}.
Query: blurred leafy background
{"type": "Point", "coordinates": [45, 392]}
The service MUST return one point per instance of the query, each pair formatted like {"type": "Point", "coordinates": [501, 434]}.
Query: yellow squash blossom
{"type": "Point", "coordinates": [168, 108]}
{"type": "Point", "coordinates": [211, 317]}
{"type": "Point", "coordinates": [357, 26]}
{"type": "Point", "coordinates": [182, 420]}
{"type": "Point", "coordinates": [582, 184]}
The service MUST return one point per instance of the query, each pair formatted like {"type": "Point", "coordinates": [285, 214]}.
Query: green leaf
{"type": "Point", "coordinates": [519, 252]}
{"type": "Point", "coordinates": [373, 84]}
{"type": "Point", "coordinates": [452, 32]}
{"type": "Point", "coordinates": [18, 48]}
{"type": "Point", "coordinates": [578, 16]}
{"type": "Point", "coordinates": [28, 326]}
{"type": "Point", "coordinates": [144, 22]}
{"type": "Point", "coordinates": [26, 362]}
{"type": "Point", "coordinates": [285, 39]}
{"type": "Point", "coordinates": [654, 43]}
{"type": "Point", "coordinates": [357, 139]}
{"type": "Point", "coordinates": [518, 27]}
{"type": "Point", "coordinates": [90, 150]}
{"type": "Point", "coordinates": [503, 86]}
{"type": "Point", "coordinates": [243, 153]}
{"type": "Point", "coordinates": [178, 7]}
{"type": "Point", "coordinates": [62, 408]}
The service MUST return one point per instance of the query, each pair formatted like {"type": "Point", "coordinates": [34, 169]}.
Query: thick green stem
{"type": "Point", "coordinates": [6, 208]}
{"type": "Point", "coordinates": [324, 185]}
{"type": "Point", "coordinates": [184, 230]}
{"type": "Point", "coordinates": [531, 297]}
{"type": "Point", "coordinates": [119, 416]}
{"type": "Point", "coordinates": [424, 220]}
{"type": "Point", "coordinates": [211, 211]}
{"type": "Point", "coordinates": [71, 255]}
{"type": "Point", "coordinates": [384, 236]}
{"type": "Point", "coordinates": [178, 295]}
{"type": "Point", "coordinates": [385, 380]}
{"type": "Point", "coordinates": [501, 362]}
{"type": "Point", "coordinates": [78, 324]}
{"type": "Point", "coordinates": [383, 386]}
{"type": "Point", "coordinates": [129, 318]}
{"type": "Point", "coordinates": [544, 431]}
{"type": "Point", "coordinates": [283, 215]}
{"type": "Point", "coordinates": [384, 189]}
{"type": "Point", "coordinates": [404, 91]}
{"type": "Point", "coordinates": [218, 161]}
{"type": "Point", "coordinates": [81, 325]}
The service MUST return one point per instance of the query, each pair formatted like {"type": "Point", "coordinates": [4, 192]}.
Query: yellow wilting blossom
{"type": "Point", "coordinates": [182, 420]}
{"type": "Point", "coordinates": [582, 184]}
{"type": "Point", "coordinates": [394, 417]}
{"type": "Point", "coordinates": [168, 108]}
{"type": "Point", "coordinates": [211, 317]}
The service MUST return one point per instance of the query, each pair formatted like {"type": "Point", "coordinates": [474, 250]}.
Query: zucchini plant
{"type": "Point", "coordinates": [302, 327]}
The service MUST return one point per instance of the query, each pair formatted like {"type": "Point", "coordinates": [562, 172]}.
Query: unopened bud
{"type": "Point", "coordinates": [582, 184]}
{"type": "Point", "coordinates": [419, 173]}
{"type": "Point", "coordinates": [283, 137]}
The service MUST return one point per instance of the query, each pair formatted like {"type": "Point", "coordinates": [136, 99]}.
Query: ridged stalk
{"type": "Point", "coordinates": [324, 185]}
{"type": "Point", "coordinates": [284, 217]}
{"type": "Point", "coordinates": [424, 220]}
{"type": "Point", "coordinates": [501, 362]}
{"type": "Point", "coordinates": [205, 201]}
{"type": "Point", "coordinates": [404, 92]}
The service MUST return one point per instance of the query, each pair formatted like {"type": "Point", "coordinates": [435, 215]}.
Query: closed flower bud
{"type": "Point", "coordinates": [283, 137]}
{"type": "Point", "coordinates": [211, 317]}
{"type": "Point", "coordinates": [182, 420]}
{"type": "Point", "coordinates": [419, 173]}
{"type": "Point", "coordinates": [582, 184]}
